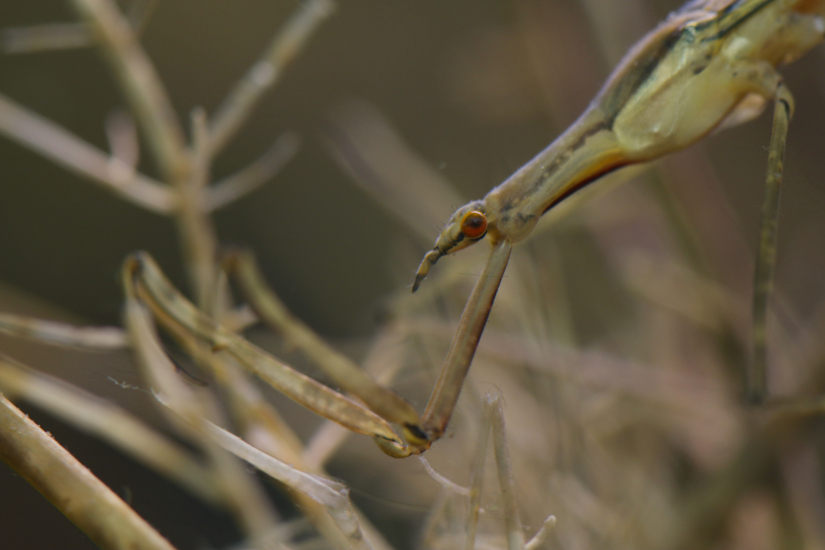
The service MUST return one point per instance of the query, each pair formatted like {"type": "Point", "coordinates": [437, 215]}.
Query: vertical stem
{"type": "Point", "coordinates": [197, 232]}
{"type": "Point", "coordinates": [512, 522]}
{"type": "Point", "coordinates": [756, 380]}
{"type": "Point", "coordinates": [140, 83]}
{"type": "Point", "coordinates": [266, 71]}
{"type": "Point", "coordinates": [477, 483]}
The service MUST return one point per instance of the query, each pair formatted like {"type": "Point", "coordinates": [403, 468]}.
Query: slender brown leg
{"type": "Point", "coordinates": [448, 387]}
{"type": "Point", "coordinates": [755, 380]}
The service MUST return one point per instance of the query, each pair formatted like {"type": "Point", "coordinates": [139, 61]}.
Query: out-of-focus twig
{"type": "Point", "coordinates": [266, 430]}
{"type": "Point", "coordinates": [242, 495]}
{"type": "Point", "coordinates": [265, 72]}
{"type": "Point", "coordinates": [122, 136]}
{"type": "Point", "coordinates": [98, 417]}
{"type": "Point", "coordinates": [441, 480]}
{"type": "Point", "coordinates": [62, 334]}
{"type": "Point", "coordinates": [65, 36]}
{"type": "Point", "coordinates": [71, 152]}
{"type": "Point", "coordinates": [72, 488]}
{"type": "Point", "coordinates": [183, 402]}
{"type": "Point", "coordinates": [512, 519]}
{"type": "Point", "coordinates": [330, 494]}
{"type": "Point", "coordinates": [47, 37]}
{"type": "Point", "coordinates": [141, 85]}
{"type": "Point", "coordinates": [243, 182]}
{"type": "Point", "coordinates": [196, 230]}
{"type": "Point", "coordinates": [542, 534]}
{"type": "Point", "coordinates": [477, 481]}
{"type": "Point", "coordinates": [139, 13]}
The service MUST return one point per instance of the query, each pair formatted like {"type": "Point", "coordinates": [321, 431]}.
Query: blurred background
{"type": "Point", "coordinates": [657, 271]}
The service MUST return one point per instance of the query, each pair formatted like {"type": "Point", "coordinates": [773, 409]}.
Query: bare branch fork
{"type": "Point", "coordinates": [185, 194]}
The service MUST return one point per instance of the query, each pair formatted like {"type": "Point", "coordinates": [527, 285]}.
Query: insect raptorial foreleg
{"type": "Point", "coordinates": [755, 380]}
{"type": "Point", "coordinates": [454, 371]}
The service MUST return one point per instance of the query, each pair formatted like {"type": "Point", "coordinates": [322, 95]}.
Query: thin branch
{"type": "Point", "coordinates": [542, 534]}
{"type": "Point", "coordinates": [477, 480]}
{"type": "Point", "coordinates": [109, 422]}
{"type": "Point", "coordinates": [47, 37]}
{"type": "Point", "coordinates": [62, 334]}
{"type": "Point", "coordinates": [266, 71]}
{"type": "Point", "coordinates": [247, 180]}
{"type": "Point", "coordinates": [65, 36]}
{"type": "Point", "coordinates": [123, 138]}
{"type": "Point", "coordinates": [141, 85]}
{"type": "Point", "coordinates": [71, 487]}
{"type": "Point", "coordinates": [266, 430]}
{"type": "Point", "coordinates": [242, 494]}
{"type": "Point", "coordinates": [195, 228]}
{"type": "Point", "coordinates": [64, 148]}
{"type": "Point", "coordinates": [512, 522]}
{"type": "Point", "coordinates": [372, 152]}
{"type": "Point", "coordinates": [331, 494]}
{"type": "Point", "coordinates": [139, 14]}
{"type": "Point", "coordinates": [441, 480]}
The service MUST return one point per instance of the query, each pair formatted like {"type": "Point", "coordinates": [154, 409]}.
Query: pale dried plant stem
{"type": "Point", "coordinates": [176, 396]}
{"type": "Point", "coordinates": [65, 36]}
{"type": "Point", "coordinates": [62, 334]}
{"type": "Point", "coordinates": [542, 534]}
{"type": "Point", "coordinates": [512, 521]}
{"type": "Point", "coordinates": [265, 72]}
{"type": "Point", "coordinates": [477, 481]}
{"type": "Point", "coordinates": [270, 433]}
{"type": "Point", "coordinates": [330, 494]}
{"type": "Point", "coordinates": [109, 422]}
{"type": "Point", "coordinates": [85, 500]}
{"type": "Point", "coordinates": [187, 171]}
{"type": "Point", "coordinates": [249, 178]}
{"type": "Point", "coordinates": [197, 232]}
{"type": "Point", "coordinates": [50, 36]}
{"type": "Point", "coordinates": [141, 85]}
{"type": "Point", "coordinates": [242, 495]}
{"type": "Point", "coordinates": [267, 430]}
{"type": "Point", "coordinates": [493, 421]}
{"type": "Point", "coordinates": [69, 151]}
{"type": "Point", "coordinates": [191, 201]}
{"type": "Point", "coordinates": [153, 109]}
{"type": "Point", "coordinates": [441, 480]}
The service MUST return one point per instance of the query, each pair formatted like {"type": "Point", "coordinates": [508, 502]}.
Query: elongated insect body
{"type": "Point", "coordinates": [711, 64]}
{"type": "Point", "coordinates": [704, 65]}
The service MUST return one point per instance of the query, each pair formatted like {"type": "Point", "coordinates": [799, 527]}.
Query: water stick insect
{"type": "Point", "coordinates": [705, 67]}
{"type": "Point", "coordinates": [711, 64]}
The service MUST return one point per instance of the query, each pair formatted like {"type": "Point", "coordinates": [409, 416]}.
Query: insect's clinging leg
{"type": "Point", "coordinates": [755, 380]}
{"type": "Point", "coordinates": [454, 371]}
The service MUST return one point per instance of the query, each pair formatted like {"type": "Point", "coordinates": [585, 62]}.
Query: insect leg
{"type": "Point", "coordinates": [448, 387]}
{"type": "Point", "coordinates": [755, 379]}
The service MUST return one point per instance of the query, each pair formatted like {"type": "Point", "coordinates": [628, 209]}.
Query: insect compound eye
{"type": "Point", "coordinates": [474, 224]}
